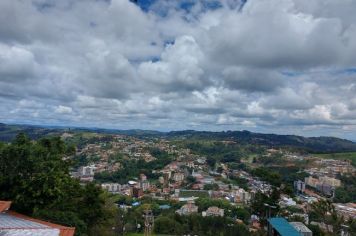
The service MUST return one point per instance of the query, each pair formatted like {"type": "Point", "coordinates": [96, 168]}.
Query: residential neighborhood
{"type": "Point", "coordinates": [188, 177]}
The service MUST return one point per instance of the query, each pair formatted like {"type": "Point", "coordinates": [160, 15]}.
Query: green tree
{"type": "Point", "coordinates": [324, 211]}
{"type": "Point", "coordinates": [166, 225]}
{"type": "Point", "coordinates": [34, 176]}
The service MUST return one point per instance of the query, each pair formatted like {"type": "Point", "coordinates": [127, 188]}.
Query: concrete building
{"type": "Point", "coordinates": [324, 180]}
{"type": "Point", "coordinates": [287, 202]}
{"type": "Point", "coordinates": [178, 177]}
{"type": "Point", "coordinates": [330, 181]}
{"type": "Point", "coordinates": [145, 185]}
{"type": "Point", "coordinates": [242, 196]}
{"type": "Point", "coordinates": [312, 182]}
{"type": "Point", "coordinates": [136, 192]}
{"type": "Point", "coordinates": [188, 209]}
{"type": "Point", "coordinates": [325, 189]}
{"type": "Point", "coordinates": [86, 171]}
{"type": "Point", "coordinates": [111, 187]}
{"type": "Point", "coordinates": [301, 228]}
{"type": "Point", "coordinates": [299, 186]}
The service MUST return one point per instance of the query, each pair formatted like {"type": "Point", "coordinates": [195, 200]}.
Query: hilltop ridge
{"type": "Point", "coordinates": [311, 144]}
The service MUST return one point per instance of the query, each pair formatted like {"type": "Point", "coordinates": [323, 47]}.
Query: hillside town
{"type": "Point", "coordinates": [177, 118]}
{"type": "Point", "coordinates": [188, 177]}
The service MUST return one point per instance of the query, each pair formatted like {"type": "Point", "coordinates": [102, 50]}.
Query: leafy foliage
{"type": "Point", "coordinates": [36, 179]}
{"type": "Point", "coordinates": [267, 175]}
{"type": "Point", "coordinates": [347, 192]}
{"type": "Point", "coordinates": [132, 168]}
{"type": "Point", "coordinates": [197, 225]}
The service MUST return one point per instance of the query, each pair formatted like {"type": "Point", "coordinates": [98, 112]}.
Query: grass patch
{"type": "Point", "coordinates": [193, 193]}
{"type": "Point", "coordinates": [339, 156]}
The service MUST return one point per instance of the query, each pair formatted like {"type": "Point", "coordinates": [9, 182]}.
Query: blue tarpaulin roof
{"type": "Point", "coordinates": [283, 227]}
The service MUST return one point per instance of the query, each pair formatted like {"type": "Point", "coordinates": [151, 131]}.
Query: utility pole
{"type": "Point", "coordinates": [149, 222]}
{"type": "Point", "coordinates": [269, 210]}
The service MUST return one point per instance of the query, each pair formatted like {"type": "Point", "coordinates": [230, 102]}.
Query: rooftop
{"type": "Point", "coordinates": [283, 227]}
{"type": "Point", "coordinates": [11, 221]}
{"type": "Point", "coordinates": [300, 227]}
{"type": "Point", "coordinates": [8, 221]}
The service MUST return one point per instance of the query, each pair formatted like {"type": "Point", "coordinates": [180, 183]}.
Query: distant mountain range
{"type": "Point", "coordinates": [312, 144]}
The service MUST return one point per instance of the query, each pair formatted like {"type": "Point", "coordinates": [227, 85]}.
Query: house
{"type": "Point", "coordinates": [178, 177]}
{"type": "Point", "coordinates": [299, 186]}
{"type": "Point", "coordinates": [188, 209]}
{"type": "Point", "coordinates": [14, 224]}
{"type": "Point", "coordinates": [85, 171]}
{"type": "Point", "coordinates": [213, 211]}
{"type": "Point", "coordinates": [190, 164]}
{"type": "Point", "coordinates": [287, 202]}
{"type": "Point", "coordinates": [145, 185]}
{"type": "Point", "coordinates": [325, 189]}
{"type": "Point", "coordinates": [323, 180]}
{"type": "Point", "coordinates": [136, 192]}
{"type": "Point", "coordinates": [347, 210]}
{"type": "Point", "coordinates": [111, 187]}
{"type": "Point", "coordinates": [310, 181]}
{"type": "Point", "coordinates": [242, 196]}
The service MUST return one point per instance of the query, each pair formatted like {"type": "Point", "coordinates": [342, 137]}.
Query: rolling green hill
{"type": "Point", "coordinates": [312, 144]}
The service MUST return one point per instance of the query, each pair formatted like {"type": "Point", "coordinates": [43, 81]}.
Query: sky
{"type": "Point", "coordinates": [271, 66]}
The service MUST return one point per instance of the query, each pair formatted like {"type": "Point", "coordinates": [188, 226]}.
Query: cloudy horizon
{"type": "Point", "coordinates": [271, 66]}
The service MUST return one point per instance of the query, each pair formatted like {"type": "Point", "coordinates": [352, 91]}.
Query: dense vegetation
{"type": "Point", "coordinates": [347, 192]}
{"type": "Point", "coordinates": [197, 225]}
{"type": "Point", "coordinates": [132, 168]}
{"type": "Point", "coordinates": [169, 223]}
{"type": "Point", "coordinates": [36, 179]}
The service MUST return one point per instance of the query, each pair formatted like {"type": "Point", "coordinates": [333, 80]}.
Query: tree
{"type": "Point", "coordinates": [191, 179]}
{"type": "Point", "coordinates": [258, 205]}
{"type": "Point", "coordinates": [316, 230]}
{"type": "Point", "coordinates": [347, 192]}
{"type": "Point", "coordinates": [34, 176]}
{"type": "Point", "coordinates": [165, 225]}
{"type": "Point", "coordinates": [324, 211]}
{"type": "Point", "coordinates": [213, 186]}
{"type": "Point", "coordinates": [211, 162]}
{"type": "Point", "coordinates": [266, 174]}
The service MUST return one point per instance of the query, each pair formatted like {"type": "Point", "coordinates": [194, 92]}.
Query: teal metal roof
{"type": "Point", "coordinates": [164, 207]}
{"type": "Point", "coordinates": [283, 227]}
